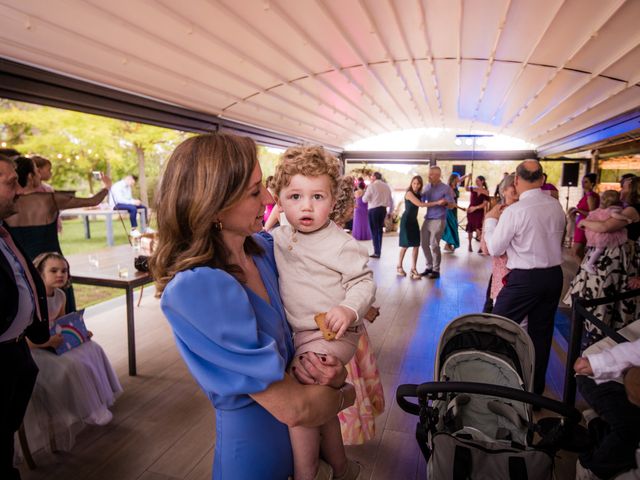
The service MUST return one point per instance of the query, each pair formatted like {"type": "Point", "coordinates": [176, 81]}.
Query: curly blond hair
{"type": "Point", "coordinates": [343, 209]}
{"type": "Point", "coordinates": [310, 161]}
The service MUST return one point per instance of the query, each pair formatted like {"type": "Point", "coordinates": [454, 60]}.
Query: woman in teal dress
{"type": "Point", "coordinates": [450, 235]}
{"type": "Point", "coordinates": [409, 229]}
{"type": "Point", "coordinates": [219, 290]}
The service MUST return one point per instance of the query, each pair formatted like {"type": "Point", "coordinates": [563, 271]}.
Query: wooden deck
{"type": "Point", "coordinates": [163, 427]}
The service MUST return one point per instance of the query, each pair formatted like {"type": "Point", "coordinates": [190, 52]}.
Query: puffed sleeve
{"type": "Point", "coordinates": [218, 335]}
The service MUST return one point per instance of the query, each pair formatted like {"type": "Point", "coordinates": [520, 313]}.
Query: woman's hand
{"type": "Point", "coordinates": [495, 212]}
{"type": "Point", "coordinates": [55, 340]}
{"type": "Point", "coordinates": [313, 368]}
{"type": "Point", "coordinates": [583, 367]}
{"type": "Point", "coordinates": [349, 393]}
{"type": "Point", "coordinates": [106, 181]}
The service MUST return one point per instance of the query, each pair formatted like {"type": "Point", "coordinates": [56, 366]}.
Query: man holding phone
{"type": "Point", "coordinates": [121, 199]}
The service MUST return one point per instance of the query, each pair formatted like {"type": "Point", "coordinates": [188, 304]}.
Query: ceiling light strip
{"type": "Point", "coordinates": [338, 69]}
{"type": "Point", "coordinates": [434, 77]}
{"type": "Point", "coordinates": [356, 51]}
{"type": "Point", "coordinates": [412, 60]}
{"type": "Point", "coordinates": [558, 69]}
{"type": "Point", "coordinates": [524, 64]}
{"type": "Point", "coordinates": [492, 58]}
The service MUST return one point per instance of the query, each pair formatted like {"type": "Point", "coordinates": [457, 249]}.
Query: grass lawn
{"type": "Point", "coordinates": [72, 241]}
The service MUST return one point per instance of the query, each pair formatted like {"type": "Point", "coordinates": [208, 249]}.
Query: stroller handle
{"type": "Point", "coordinates": [422, 390]}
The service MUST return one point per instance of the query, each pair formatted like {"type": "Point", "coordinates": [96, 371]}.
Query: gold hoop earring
{"type": "Point", "coordinates": [217, 226]}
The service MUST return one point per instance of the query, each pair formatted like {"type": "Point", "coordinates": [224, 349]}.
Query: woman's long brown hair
{"type": "Point", "coordinates": [204, 176]}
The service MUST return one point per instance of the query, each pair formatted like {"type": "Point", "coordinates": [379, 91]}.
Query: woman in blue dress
{"type": "Point", "coordinates": [219, 288]}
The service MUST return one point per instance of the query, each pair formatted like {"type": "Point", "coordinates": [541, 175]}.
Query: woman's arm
{"type": "Point", "coordinates": [295, 404]}
{"type": "Point", "coordinates": [64, 201]}
{"type": "Point", "coordinates": [416, 201]}
{"type": "Point", "coordinates": [610, 224]}
{"type": "Point", "coordinates": [274, 217]}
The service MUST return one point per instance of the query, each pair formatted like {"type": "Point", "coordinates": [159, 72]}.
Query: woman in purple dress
{"type": "Point", "coordinates": [475, 212]}
{"type": "Point", "coordinates": [361, 229]}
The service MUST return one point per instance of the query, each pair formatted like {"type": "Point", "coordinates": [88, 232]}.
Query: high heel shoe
{"type": "Point", "coordinates": [415, 275]}
{"type": "Point", "coordinates": [400, 271]}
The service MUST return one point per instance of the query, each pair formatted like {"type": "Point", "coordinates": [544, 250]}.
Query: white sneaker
{"type": "Point", "coordinates": [588, 415]}
{"type": "Point", "coordinates": [135, 234]}
{"type": "Point", "coordinates": [101, 418]}
{"type": "Point", "coordinates": [584, 473]}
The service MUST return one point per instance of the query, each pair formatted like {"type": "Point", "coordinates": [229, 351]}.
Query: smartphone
{"type": "Point", "coordinates": [97, 175]}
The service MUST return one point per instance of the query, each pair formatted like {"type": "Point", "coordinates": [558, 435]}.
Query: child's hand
{"type": "Point", "coordinates": [583, 367]}
{"type": "Point", "coordinates": [339, 319]}
{"type": "Point", "coordinates": [89, 333]}
{"type": "Point", "coordinates": [56, 340]}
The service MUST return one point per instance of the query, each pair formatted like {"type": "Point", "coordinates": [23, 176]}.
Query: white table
{"type": "Point", "coordinates": [86, 213]}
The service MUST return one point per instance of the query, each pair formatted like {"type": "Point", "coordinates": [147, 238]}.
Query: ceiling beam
{"type": "Point", "coordinates": [393, 63]}
{"type": "Point", "coordinates": [622, 124]}
{"type": "Point", "coordinates": [492, 58]}
{"type": "Point", "coordinates": [35, 85]}
{"type": "Point", "coordinates": [255, 31]}
{"type": "Point", "coordinates": [581, 44]}
{"type": "Point", "coordinates": [361, 58]}
{"type": "Point", "coordinates": [275, 7]}
{"type": "Point", "coordinates": [429, 55]}
{"type": "Point", "coordinates": [409, 156]}
{"type": "Point", "coordinates": [543, 31]}
{"type": "Point", "coordinates": [412, 61]}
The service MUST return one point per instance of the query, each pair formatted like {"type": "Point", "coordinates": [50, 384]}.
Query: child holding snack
{"type": "Point", "coordinates": [610, 206]}
{"type": "Point", "coordinates": [73, 388]}
{"type": "Point", "coordinates": [326, 289]}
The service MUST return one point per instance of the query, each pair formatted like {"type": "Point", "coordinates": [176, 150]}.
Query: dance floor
{"type": "Point", "coordinates": [163, 427]}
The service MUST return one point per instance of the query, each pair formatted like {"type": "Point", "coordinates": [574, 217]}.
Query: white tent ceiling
{"type": "Point", "coordinates": [336, 71]}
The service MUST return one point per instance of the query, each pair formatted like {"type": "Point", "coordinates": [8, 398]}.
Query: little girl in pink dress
{"type": "Point", "coordinates": [609, 207]}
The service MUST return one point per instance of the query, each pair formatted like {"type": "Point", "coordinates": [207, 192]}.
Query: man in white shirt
{"type": "Point", "coordinates": [378, 196]}
{"type": "Point", "coordinates": [600, 380]}
{"type": "Point", "coordinates": [530, 233]}
{"type": "Point", "coordinates": [121, 198]}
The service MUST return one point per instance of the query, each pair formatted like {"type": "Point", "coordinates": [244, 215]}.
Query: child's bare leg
{"type": "Point", "coordinates": [332, 447]}
{"type": "Point", "coordinates": [305, 444]}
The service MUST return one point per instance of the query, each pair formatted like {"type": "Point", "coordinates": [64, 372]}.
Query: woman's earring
{"type": "Point", "coordinates": [217, 226]}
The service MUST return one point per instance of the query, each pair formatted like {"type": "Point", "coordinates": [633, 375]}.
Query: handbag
{"type": "Point", "coordinates": [141, 263]}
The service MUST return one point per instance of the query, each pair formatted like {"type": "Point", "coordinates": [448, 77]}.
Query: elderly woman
{"type": "Point", "coordinates": [499, 270]}
{"type": "Point", "coordinates": [219, 289]}
{"type": "Point", "coordinates": [615, 267]}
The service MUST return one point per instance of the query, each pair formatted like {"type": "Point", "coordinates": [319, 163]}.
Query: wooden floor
{"type": "Point", "coordinates": [163, 425]}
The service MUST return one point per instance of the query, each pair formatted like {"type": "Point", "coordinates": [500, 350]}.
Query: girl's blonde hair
{"type": "Point", "coordinates": [343, 210]}
{"type": "Point", "coordinates": [608, 198]}
{"type": "Point", "coordinates": [40, 262]}
{"type": "Point", "coordinates": [307, 161]}
{"type": "Point", "coordinates": [205, 175]}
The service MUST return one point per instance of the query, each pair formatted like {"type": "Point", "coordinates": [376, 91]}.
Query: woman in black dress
{"type": "Point", "coordinates": [409, 229]}
{"type": "Point", "coordinates": [35, 225]}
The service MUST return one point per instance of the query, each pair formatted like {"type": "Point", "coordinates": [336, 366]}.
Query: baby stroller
{"type": "Point", "coordinates": [475, 422]}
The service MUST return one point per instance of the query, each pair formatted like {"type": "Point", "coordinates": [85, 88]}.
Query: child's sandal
{"type": "Point", "coordinates": [400, 271]}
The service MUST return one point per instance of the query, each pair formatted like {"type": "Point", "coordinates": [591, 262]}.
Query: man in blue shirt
{"type": "Point", "coordinates": [439, 197]}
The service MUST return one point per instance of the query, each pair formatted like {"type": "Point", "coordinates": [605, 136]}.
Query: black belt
{"type": "Point", "coordinates": [19, 338]}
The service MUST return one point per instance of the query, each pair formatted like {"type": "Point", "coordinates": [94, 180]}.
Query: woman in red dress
{"type": "Point", "coordinates": [475, 212]}
{"type": "Point", "coordinates": [589, 201]}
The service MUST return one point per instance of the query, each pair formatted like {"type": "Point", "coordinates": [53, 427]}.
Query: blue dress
{"type": "Point", "coordinates": [234, 344]}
